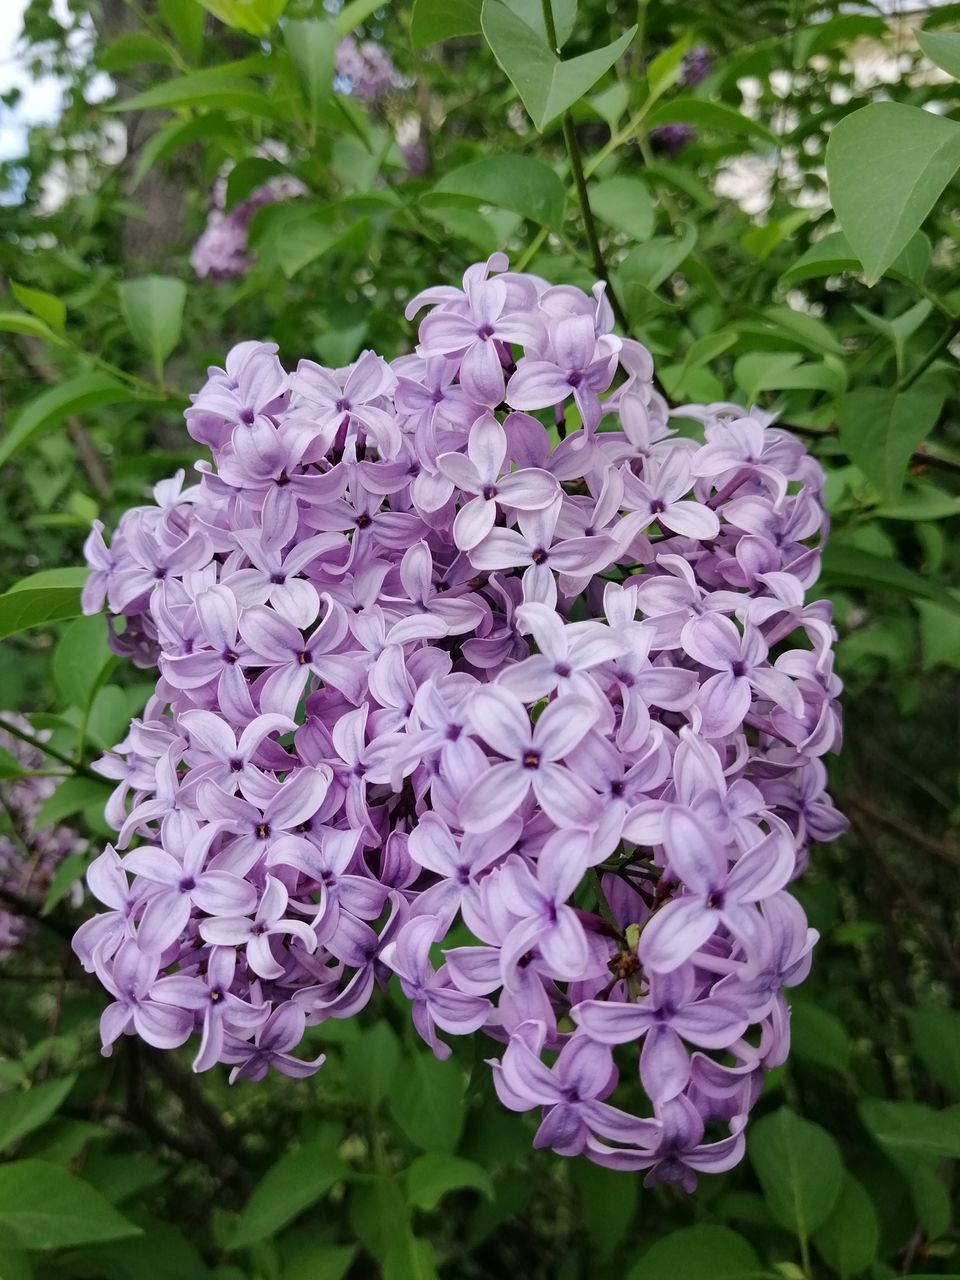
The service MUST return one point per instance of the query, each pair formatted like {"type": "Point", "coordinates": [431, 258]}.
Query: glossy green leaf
{"type": "Point", "coordinates": [48, 596]}
{"type": "Point", "coordinates": [49, 308]}
{"type": "Point", "coordinates": [625, 204]}
{"type": "Point", "coordinates": [291, 1185]}
{"type": "Point", "coordinates": [372, 1062]}
{"type": "Point", "coordinates": [177, 134]}
{"type": "Point", "coordinates": [44, 1207]}
{"type": "Point", "coordinates": [818, 1036]}
{"type": "Point", "coordinates": [255, 17]}
{"type": "Point", "coordinates": [708, 115]}
{"type": "Point", "coordinates": [909, 1134]}
{"type": "Point", "coordinates": [52, 407]}
{"type": "Point", "coordinates": [153, 308]}
{"type": "Point", "coordinates": [431, 1176]}
{"type": "Point", "coordinates": [22, 1111]}
{"type": "Point", "coordinates": [607, 1200]}
{"type": "Point", "coordinates": [848, 1240]}
{"type": "Point", "coordinates": [520, 183]}
{"type": "Point", "coordinates": [886, 165]}
{"type": "Point", "coordinates": [912, 1127]}
{"type": "Point", "coordinates": [942, 48]}
{"type": "Point", "coordinates": [704, 1252]}
{"type": "Point", "coordinates": [879, 429]}
{"type": "Point", "coordinates": [14, 1264]}
{"type": "Point", "coordinates": [435, 20]}
{"type": "Point", "coordinates": [798, 1165]}
{"type": "Point", "coordinates": [650, 264]}
{"type": "Point", "coordinates": [531, 11]}
{"type": "Point", "coordinates": [547, 86]}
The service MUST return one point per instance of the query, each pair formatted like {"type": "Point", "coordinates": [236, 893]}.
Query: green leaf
{"type": "Point", "coordinates": [255, 17]}
{"type": "Point", "coordinates": [57, 403]}
{"type": "Point", "coordinates": [48, 596]}
{"type": "Point", "coordinates": [46, 306]}
{"type": "Point", "coordinates": [184, 20]}
{"type": "Point", "coordinates": [836, 33]}
{"type": "Point", "coordinates": [912, 1127]}
{"type": "Point", "coordinates": [832, 255]}
{"type": "Point", "coordinates": [886, 166]}
{"type": "Point", "coordinates": [249, 174]}
{"type": "Point", "coordinates": [44, 1207]}
{"type": "Point", "coordinates": [119, 1176]}
{"type": "Point", "coordinates": [72, 795]}
{"type": "Point", "coordinates": [14, 1265]}
{"type": "Point", "coordinates": [649, 265]}
{"type": "Point", "coordinates": [313, 51]}
{"type": "Point", "coordinates": [316, 1261]}
{"type": "Point", "coordinates": [784, 371]}
{"type": "Point", "coordinates": [900, 329]}
{"type": "Point", "coordinates": [371, 1063]}
{"type": "Point", "coordinates": [547, 86]}
{"type": "Point", "coordinates": [848, 1239]}
{"type": "Point", "coordinates": [24, 322]}
{"type": "Point", "coordinates": [430, 1177]}
{"type": "Point", "coordinates": [879, 430]}
{"type": "Point", "coordinates": [697, 1253]}
{"type": "Point", "coordinates": [212, 88]}
{"type": "Point", "coordinates": [664, 70]}
{"type": "Point", "coordinates": [133, 50]}
{"type": "Point", "coordinates": [608, 1202]}
{"type": "Point", "coordinates": [894, 1126]}
{"type": "Point", "coordinates": [79, 660]}
{"type": "Point", "coordinates": [10, 767]}
{"type": "Point", "coordinates": [531, 12]}
{"type": "Point", "coordinates": [355, 12]}
{"type": "Point", "coordinates": [410, 1259]}
{"type": "Point", "coordinates": [799, 1168]}
{"type": "Point", "coordinates": [435, 20]}
{"type": "Point", "coordinates": [22, 1111]}
{"type": "Point", "coordinates": [942, 48]}
{"type": "Point", "coordinates": [428, 1103]}
{"type": "Point", "coordinates": [153, 308]}
{"type": "Point", "coordinates": [291, 1185]}
{"type": "Point", "coordinates": [709, 115]}
{"type": "Point", "coordinates": [625, 204]}
{"type": "Point", "coordinates": [818, 1036]}
{"type": "Point", "coordinates": [177, 134]}
{"type": "Point", "coordinates": [848, 566]}
{"type": "Point", "coordinates": [378, 1213]}
{"type": "Point", "coordinates": [518, 183]}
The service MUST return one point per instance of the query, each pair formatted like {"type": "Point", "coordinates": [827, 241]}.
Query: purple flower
{"type": "Point", "coordinates": [533, 755]}
{"type": "Point", "coordinates": [422, 675]}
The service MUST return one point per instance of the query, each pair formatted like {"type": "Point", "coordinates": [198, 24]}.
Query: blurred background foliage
{"type": "Point", "coordinates": [706, 148]}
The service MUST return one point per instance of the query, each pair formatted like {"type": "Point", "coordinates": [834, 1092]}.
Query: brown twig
{"type": "Point", "coordinates": [947, 852]}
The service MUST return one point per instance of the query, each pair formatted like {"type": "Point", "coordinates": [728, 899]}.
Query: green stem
{"type": "Point", "coordinates": [580, 182]}
{"type": "Point", "coordinates": [938, 348]}
{"type": "Point", "coordinates": [603, 906]}
{"type": "Point", "coordinates": [47, 750]}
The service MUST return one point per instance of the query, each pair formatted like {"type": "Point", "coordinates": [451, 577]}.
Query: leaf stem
{"type": "Point", "coordinates": [52, 752]}
{"type": "Point", "coordinates": [938, 348]}
{"type": "Point", "coordinates": [580, 182]}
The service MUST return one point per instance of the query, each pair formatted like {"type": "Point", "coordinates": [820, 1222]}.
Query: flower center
{"type": "Point", "coordinates": [531, 760]}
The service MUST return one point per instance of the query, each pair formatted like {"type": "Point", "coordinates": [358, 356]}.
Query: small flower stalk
{"type": "Point", "coordinates": [486, 670]}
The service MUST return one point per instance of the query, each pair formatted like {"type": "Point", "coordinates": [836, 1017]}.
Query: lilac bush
{"type": "Point", "coordinates": [486, 669]}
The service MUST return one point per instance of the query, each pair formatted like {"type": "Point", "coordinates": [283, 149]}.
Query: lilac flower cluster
{"type": "Point", "coordinates": [485, 669]}
{"type": "Point", "coordinates": [221, 251]}
{"type": "Point", "coordinates": [29, 855]}
{"type": "Point", "coordinates": [365, 69]}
